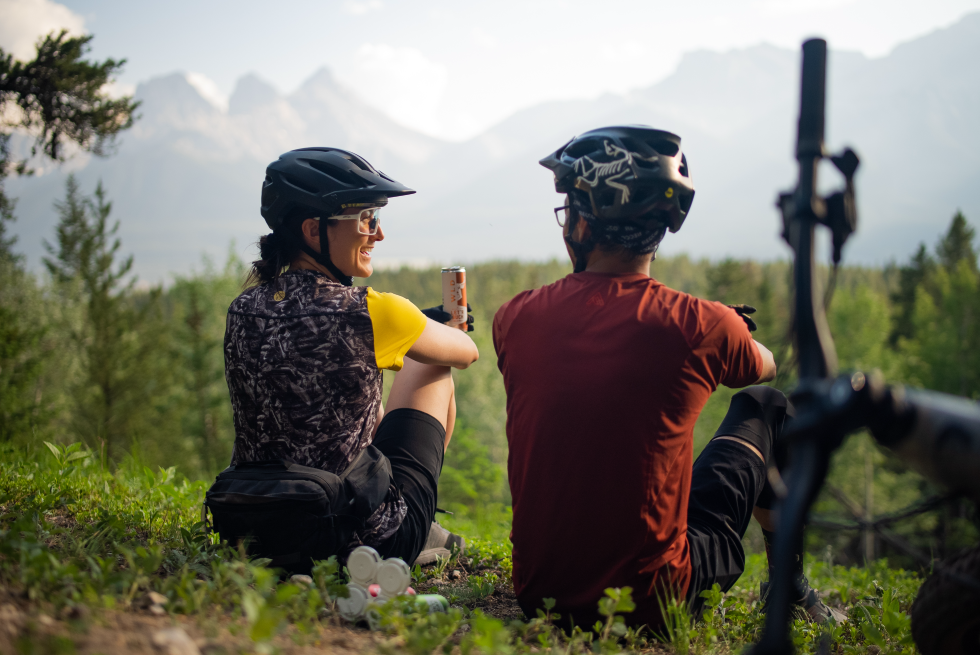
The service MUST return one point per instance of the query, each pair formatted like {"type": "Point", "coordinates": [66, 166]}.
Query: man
{"type": "Point", "coordinates": [606, 372]}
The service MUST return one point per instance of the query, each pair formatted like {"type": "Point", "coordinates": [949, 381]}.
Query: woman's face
{"type": "Point", "coordinates": [351, 251]}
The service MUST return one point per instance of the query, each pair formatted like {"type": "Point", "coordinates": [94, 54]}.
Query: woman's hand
{"type": "Point", "coordinates": [440, 315]}
{"type": "Point", "coordinates": [442, 345]}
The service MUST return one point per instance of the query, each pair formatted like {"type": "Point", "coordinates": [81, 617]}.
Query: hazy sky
{"type": "Point", "coordinates": [452, 68]}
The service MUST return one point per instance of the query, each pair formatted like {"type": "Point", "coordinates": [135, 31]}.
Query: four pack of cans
{"type": "Point", "coordinates": [374, 581]}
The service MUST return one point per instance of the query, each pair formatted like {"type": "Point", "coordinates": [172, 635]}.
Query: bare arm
{"type": "Point", "coordinates": [377, 423]}
{"type": "Point", "coordinates": [442, 345]}
{"type": "Point", "coordinates": [768, 364]}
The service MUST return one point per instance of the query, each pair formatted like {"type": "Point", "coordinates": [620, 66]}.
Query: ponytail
{"type": "Point", "coordinates": [277, 250]}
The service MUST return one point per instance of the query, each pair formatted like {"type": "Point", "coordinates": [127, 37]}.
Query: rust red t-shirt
{"type": "Point", "coordinates": [605, 378]}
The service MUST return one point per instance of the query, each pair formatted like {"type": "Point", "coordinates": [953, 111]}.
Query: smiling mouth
{"type": "Point", "coordinates": [366, 253]}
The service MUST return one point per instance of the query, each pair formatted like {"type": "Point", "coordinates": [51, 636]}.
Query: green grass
{"type": "Point", "coordinates": [76, 535]}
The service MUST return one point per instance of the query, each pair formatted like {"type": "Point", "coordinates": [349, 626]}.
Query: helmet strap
{"type": "Point", "coordinates": [580, 248]}
{"type": "Point", "coordinates": [581, 251]}
{"type": "Point", "coordinates": [323, 257]}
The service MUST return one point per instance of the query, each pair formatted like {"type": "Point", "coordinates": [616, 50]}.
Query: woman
{"type": "Point", "coordinates": [304, 351]}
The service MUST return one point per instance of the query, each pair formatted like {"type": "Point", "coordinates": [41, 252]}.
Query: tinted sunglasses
{"type": "Point", "coordinates": [368, 220]}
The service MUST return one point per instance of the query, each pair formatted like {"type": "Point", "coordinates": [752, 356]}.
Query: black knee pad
{"type": "Point", "coordinates": [757, 415]}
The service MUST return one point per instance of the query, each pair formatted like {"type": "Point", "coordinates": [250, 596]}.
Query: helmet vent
{"type": "Point", "coordinates": [637, 146]}
{"type": "Point", "coordinates": [343, 177]}
{"type": "Point", "coordinates": [583, 147]}
{"type": "Point", "coordinates": [683, 167]}
{"type": "Point", "coordinates": [359, 163]}
{"type": "Point", "coordinates": [664, 147]}
{"type": "Point", "coordinates": [292, 181]}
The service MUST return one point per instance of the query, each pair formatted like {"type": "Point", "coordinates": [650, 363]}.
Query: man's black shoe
{"type": "Point", "coordinates": [808, 606]}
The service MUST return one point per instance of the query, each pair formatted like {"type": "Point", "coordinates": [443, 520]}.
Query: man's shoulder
{"type": "Point", "coordinates": [681, 300]}
{"type": "Point", "coordinates": [535, 299]}
{"type": "Point", "coordinates": [695, 317]}
{"type": "Point", "coordinates": [507, 312]}
{"type": "Point", "coordinates": [531, 297]}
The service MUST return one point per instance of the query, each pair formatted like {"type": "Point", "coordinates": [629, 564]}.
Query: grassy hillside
{"type": "Point", "coordinates": [142, 383]}
{"type": "Point", "coordinates": [93, 560]}
{"type": "Point", "coordinates": [133, 379]}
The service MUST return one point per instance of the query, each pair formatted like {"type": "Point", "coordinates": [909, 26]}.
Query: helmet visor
{"type": "Point", "coordinates": [368, 220]}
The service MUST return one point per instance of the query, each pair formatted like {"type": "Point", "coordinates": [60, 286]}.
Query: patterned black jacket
{"type": "Point", "coordinates": [304, 381]}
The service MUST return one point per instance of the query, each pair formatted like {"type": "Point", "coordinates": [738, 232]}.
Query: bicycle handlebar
{"type": "Point", "coordinates": [810, 129]}
{"type": "Point", "coordinates": [936, 433]}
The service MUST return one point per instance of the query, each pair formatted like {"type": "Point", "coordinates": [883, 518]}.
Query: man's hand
{"type": "Point", "coordinates": [744, 311]}
{"type": "Point", "coordinates": [439, 315]}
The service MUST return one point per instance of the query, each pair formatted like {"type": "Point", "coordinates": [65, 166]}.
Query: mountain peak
{"type": "Point", "coordinates": [322, 78]}
{"type": "Point", "coordinates": [171, 95]}
{"type": "Point", "coordinates": [251, 92]}
{"type": "Point", "coordinates": [208, 90]}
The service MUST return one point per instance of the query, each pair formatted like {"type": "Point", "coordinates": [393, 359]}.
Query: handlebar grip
{"type": "Point", "coordinates": [812, 99]}
{"type": "Point", "coordinates": [938, 434]}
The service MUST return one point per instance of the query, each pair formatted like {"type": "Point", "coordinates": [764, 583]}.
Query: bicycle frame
{"type": "Point", "coordinates": [936, 433]}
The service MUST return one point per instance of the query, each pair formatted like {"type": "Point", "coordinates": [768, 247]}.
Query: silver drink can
{"type": "Point", "coordinates": [454, 295]}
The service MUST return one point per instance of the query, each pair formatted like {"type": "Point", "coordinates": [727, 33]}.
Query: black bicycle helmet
{"type": "Point", "coordinates": [626, 171]}
{"type": "Point", "coordinates": [321, 182]}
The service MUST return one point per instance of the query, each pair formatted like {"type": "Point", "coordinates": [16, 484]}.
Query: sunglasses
{"type": "Point", "coordinates": [561, 214]}
{"type": "Point", "coordinates": [369, 220]}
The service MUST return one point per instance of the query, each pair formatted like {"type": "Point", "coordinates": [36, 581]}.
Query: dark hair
{"type": "Point", "coordinates": [642, 236]}
{"type": "Point", "coordinates": [278, 249]}
{"type": "Point", "coordinates": [622, 253]}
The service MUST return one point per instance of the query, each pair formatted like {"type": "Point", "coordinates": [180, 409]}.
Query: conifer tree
{"type": "Point", "coordinates": [58, 98]}
{"type": "Point", "coordinates": [83, 262]}
{"type": "Point", "coordinates": [910, 278]}
{"type": "Point", "coordinates": [957, 244]}
{"type": "Point", "coordinates": [61, 99]}
{"type": "Point", "coordinates": [202, 361]}
{"type": "Point", "coordinates": [22, 356]}
{"type": "Point", "coordinates": [944, 341]}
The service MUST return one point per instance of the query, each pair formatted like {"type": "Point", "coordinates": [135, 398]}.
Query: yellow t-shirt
{"type": "Point", "coordinates": [397, 325]}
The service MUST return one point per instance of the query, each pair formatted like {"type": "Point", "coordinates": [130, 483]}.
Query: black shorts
{"type": "Point", "coordinates": [414, 443]}
{"type": "Point", "coordinates": [727, 483]}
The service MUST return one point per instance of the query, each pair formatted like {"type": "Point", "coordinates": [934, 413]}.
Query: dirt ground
{"type": "Point", "coordinates": [114, 632]}
{"type": "Point", "coordinates": [32, 628]}
{"type": "Point", "coordinates": [502, 604]}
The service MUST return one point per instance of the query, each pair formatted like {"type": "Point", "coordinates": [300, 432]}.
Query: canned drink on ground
{"type": "Point", "coordinates": [353, 607]}
{"type": "Point", "coordinates": [394, 576]}
{"type": "Point", "coordinates": [432, 603]}
{"type": "Point", "coordinates": [454, 295]}
{"type": "Point", "coordinates": [362, 564]}
{"type": "Point", "coordinates": [427, 603]}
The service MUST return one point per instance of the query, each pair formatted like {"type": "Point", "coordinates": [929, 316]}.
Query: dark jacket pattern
{"type": "Point", "coordinates": [304, 381]}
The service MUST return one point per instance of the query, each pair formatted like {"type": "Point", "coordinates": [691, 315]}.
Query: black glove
{"type": "Point", "coordinates": [743, 311]}
{"type": "Point", "coordinates": [439, 315]}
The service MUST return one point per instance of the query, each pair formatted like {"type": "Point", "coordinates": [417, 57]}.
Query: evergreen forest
{"type": "Point", "coordinates": [135, 373]}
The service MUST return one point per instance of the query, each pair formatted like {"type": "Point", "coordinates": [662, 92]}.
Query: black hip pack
{"type": "Point", "coordinates": [295, 514]}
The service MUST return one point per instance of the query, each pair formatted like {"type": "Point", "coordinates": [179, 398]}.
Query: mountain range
{"type": "Point", "coordinates": [186, 178]}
